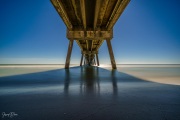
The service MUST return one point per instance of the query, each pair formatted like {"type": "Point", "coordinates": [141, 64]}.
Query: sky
{"type": "Point", "coordinates": [31, 32]}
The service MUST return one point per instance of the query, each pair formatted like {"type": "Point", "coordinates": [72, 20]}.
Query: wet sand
{"type": "Point", "coordinates": [88, 93]}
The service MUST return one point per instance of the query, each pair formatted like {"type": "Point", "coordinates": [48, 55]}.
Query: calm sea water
{"type": "Point", "coordinates": [166, 74]}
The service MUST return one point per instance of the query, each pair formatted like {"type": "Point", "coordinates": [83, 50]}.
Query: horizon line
{"type": "Point", "coordinates": [78, 64]}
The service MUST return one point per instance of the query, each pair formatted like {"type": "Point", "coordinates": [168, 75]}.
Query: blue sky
{"type": "Point", "coordinates": [31, 32]}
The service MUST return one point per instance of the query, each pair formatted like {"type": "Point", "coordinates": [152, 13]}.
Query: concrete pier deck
{"type": "Point", "coordinates": [87, 93]}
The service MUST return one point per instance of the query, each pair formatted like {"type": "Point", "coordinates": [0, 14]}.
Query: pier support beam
{"type": "Point", "coordinates": [84, 61]}
{"type": "Point", "coordinates": [94, 61]}
{"type": "Point", "coordinates": [68, 57]}
{"type": "Point", "coordinates": [82, 56]}
{"type": "Point", "coordinates": [113, 63]}
{"type": "Point", "coordinates": [97, 59]}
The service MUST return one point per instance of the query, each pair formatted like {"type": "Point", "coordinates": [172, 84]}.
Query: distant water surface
{"type": "Point", "coordinates": [166, 74]}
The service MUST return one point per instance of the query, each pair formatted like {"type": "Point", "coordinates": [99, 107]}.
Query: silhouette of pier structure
{"type": "Point", "coordinates": [89, 23]}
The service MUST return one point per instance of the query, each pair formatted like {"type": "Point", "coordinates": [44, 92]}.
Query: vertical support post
{"type": "Point", "coordinates": [84, 61]}
{"type": "Point", "coordinates": [94, 62]}
{"type": "Point", "coordinates": [97, 59]}
{"type": "Point", "coordinates": [68, 57]}
{"type": "Point", "coordinates": [82, 56]}
{"type": "Point", "coordinates": [113, 63]}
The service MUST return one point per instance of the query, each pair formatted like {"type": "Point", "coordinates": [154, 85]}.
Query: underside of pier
{"type": "Point", "coordinates": [89, 23]}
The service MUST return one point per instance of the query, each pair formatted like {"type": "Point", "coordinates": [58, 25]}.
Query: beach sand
{"type": "Point", "coordinates": [90, 93]}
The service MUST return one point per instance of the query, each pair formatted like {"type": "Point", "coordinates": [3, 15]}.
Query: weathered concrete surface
{"type": "Point", "coordinates": [86, 93]}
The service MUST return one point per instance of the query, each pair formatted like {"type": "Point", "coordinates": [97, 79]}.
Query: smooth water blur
{"type": "Point", "coordinates": [87, 79]}
{"type": "Point", "coordinates": [88, 92]}
{"type": "Point", "coordinates": [167, 74]}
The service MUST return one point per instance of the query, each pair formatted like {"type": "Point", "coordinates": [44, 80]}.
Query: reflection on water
{"type": "Point", "coordinates": [89, 93]}
{"type": "Point", "coordinates": [89, 81]}
{"type": "Point", "coordinates": [82, 80]}
{"type": "Point", "coordinates": [74, 81]}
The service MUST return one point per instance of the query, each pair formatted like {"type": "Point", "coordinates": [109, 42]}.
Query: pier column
{"type": "Point", "coordinates": [113, 63]}
{"type": "Point", "coordinates": [68, 57]}
{"type": "Point", "coordinates": [94, 61]}
{"type": "Point", "coordinates": [84, 61]}
{"type": "Point", "coordinates": [97, 59]}
{"type": "Point", "coordinates": [82, 56]}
